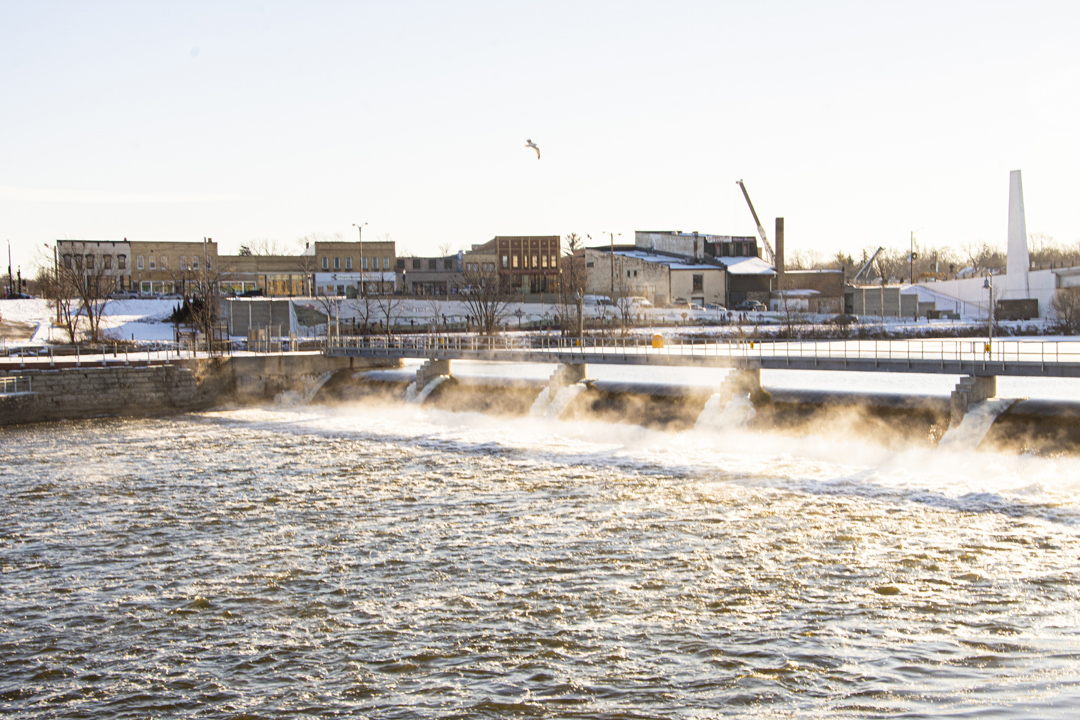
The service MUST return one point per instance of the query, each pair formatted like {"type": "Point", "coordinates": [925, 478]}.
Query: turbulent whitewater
{"type": "Point", "coordinates": [406, 562]}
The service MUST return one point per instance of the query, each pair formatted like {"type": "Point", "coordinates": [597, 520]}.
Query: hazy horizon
{"type": "Point", "coordinates": [248, 121]}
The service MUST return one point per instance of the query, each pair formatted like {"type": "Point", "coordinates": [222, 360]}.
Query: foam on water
{"type": "Point", "coordinates": [960, 478]}
{"type": "Point", "coordinates": [341, 561]}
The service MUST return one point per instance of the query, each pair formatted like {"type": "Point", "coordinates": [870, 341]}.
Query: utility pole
{"type": "Point", "coordinates": [911, 260]}
{"type": "Point", "coordinates": [611, 237]}
{"type": "Point", "coordinates": [360, 242]}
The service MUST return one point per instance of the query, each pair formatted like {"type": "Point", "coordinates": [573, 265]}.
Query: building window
{"type": "Point", "coordinates": [515, 262]}
{"type": "Point", "coordinates": [121, 262]}
{"type": "Point", "coordinates": [139, 262]}
{"type": "Point", "coordinates": [337, 263]}
{"type": "Point", "coordinates": [153, 263]}
{"type": "Point", "coordinates": [506, 262]}
{"type": "Point", "coordinates": [164, 262]}
{"type": "Point", "coordinates": [416, 264]}
{"type": "Point", "coordinates": [554, 260]}
{"type": "Point", "coordinates": [386, 262]}
{"type": "Point", "coordinates": [106, 262]}
{"type": "Point", "coordinates": [326, 263]}
{"type": "Point", "coordinates": [89, 262]}
{"type": "Point", "coordinates": [183, 262]}
{"type": "Point", "coordinates": [348, 263]}
{"type": "Point", "coordinates": [67, 261]}
{"type": "Point", "coordinates": [536, 262]}
{"type": "Point", "coordinates": [543, 260]}
{"type": "Point", "coordinates": [698, 283]}
{"type": "Point", "coordinates": [472, 267]}
{"type": "Point", "coordinates": [195, 262]}
{"type": "Point", "coordinates": [432, 264]}
{"type": "Point", "coordinates": [489, 267]}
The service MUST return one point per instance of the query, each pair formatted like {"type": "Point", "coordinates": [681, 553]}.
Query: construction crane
{"type": "Point", "coordinates": [866, 267]}
{"type": "Point", "coordinates": [760, 230]}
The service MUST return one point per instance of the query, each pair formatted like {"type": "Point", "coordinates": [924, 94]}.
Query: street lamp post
{"type": "Point", "coordinates": [360, 239]}
{"type": "Point", "coordinates": [611, 239]}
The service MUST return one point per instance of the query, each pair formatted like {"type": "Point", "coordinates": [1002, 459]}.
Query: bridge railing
{"type": "Point", "coordinates": [964, 350]}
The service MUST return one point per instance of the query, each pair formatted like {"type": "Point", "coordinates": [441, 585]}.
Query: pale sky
{"type": "Point", "coordinates": [858, 122]}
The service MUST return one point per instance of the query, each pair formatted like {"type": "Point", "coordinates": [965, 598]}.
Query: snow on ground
{"type": "Point", "coordinates": [147, 319]}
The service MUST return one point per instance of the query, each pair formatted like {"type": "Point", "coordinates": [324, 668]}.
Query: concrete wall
{"type": "Point", "coordinates": [98, 392]}
{"type": "Point", "coordinates": [646, 279]}
{"type": "Point", "coordinates": [713, 286]}
{"type": "Point", "coordinates": [170, 389]}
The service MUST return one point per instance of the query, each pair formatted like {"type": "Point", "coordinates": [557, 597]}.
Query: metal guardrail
{"type": "Point", "coordinates": [1028, 357]}
{"type": "Point", "coordinates": [11, 384]}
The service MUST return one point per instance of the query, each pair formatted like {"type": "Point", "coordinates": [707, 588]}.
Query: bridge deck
{"type": "Point", "coordinates": [1033, 358]}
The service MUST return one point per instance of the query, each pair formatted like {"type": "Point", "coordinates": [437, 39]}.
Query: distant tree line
{"type": "Point", "coordinates": [895, 264]}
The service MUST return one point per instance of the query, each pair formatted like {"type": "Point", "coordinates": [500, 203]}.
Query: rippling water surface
{"type": "Point", "coordinates": [404, 562]}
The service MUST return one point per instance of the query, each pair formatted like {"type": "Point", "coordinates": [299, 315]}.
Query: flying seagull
{"type": "Point", "coordinates": [531, 144]}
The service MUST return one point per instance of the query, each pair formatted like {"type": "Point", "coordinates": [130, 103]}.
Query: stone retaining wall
{"type": "Point", "coordinates": [168, 389]}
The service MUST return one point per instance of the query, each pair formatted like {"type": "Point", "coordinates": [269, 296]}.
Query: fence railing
{"type": "Point", "coordinates": [11, 384]}
{"type": "Point", "coordinates": [964, 350]}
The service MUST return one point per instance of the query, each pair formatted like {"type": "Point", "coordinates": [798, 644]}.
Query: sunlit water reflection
{"type": "Point", "coordinates": [407, 562]}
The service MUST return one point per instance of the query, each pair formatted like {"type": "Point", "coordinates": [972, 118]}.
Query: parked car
{"type": "Point", "coordinates": [751, 306]}
{"type": "Point", "coordinates": [716, 307]}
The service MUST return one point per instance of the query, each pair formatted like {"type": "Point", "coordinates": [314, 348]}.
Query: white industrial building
{"type": "Point", "coordinates": [972, 296]}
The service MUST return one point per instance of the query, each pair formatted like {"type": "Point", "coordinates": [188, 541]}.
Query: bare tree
{"type": "Point", "coordinates": [982, 255]}
{"type": "Point", "coordinates": [388, 307]}
{"type": "Point", "coordinates": [487, 297]}
{"type": "Point", "coordinates": [572, 285]}
{"type": "Point", "coordinates": [264, 246]}
{"type": "Point", "coordinates": [362, 309]}
{"type": "Point", "coordinates": [1065, 309]}
{"type": "Point", "coordinates": [81, 287]}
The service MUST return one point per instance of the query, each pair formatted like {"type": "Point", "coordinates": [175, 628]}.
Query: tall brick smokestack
{"type": "Point", "coordinates": [779, 252]}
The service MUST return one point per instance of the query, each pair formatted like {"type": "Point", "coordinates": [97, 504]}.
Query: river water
{"type": "Point", "coordinates": [404, 562]}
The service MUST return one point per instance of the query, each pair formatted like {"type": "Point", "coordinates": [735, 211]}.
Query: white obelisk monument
{"type": "Point", "coordinates": [1016, 279]}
